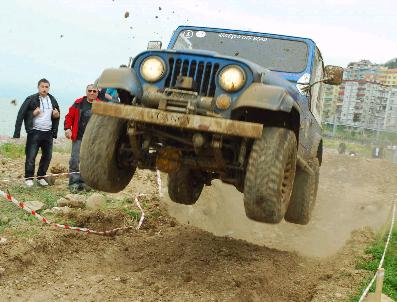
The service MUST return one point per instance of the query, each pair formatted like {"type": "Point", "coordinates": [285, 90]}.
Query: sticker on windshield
{"type": "Point", "coordinates": [242, 37]}
{"type": "Point", "coordinates": [200, 34]}
{"type": "Point", "coordinates": [188, 34]}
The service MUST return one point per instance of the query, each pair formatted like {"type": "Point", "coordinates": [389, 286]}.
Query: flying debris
{"type": "Point", "coordinates": [126, 15]}
{"type": "Point", "coordinates": [14, 102]}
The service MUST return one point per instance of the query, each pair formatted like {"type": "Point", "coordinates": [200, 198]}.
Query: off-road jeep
{"type": "Point", "coordinates": [243, 107]}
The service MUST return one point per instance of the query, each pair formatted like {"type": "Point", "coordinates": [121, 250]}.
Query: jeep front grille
{"type": "Point", "coordinates": [202, 72]}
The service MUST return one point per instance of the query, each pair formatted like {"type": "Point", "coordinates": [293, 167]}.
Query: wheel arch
{"type": "Point", "coordinates": [270, 118]}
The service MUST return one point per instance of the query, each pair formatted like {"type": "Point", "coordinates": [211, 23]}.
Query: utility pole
{"type": "Point", "coordinates": [377, 130]}
{"type": "Point", "coordinates": [334, 122]}
{"type": "Point", "coordinates": [334, 125]}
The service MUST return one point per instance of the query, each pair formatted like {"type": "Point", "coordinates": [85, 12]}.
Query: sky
{"type": "Point", "coordinates": [70, 42]}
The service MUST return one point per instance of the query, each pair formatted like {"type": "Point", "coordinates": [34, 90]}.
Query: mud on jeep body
{"type": "Point", "coordinates": [238, 106]}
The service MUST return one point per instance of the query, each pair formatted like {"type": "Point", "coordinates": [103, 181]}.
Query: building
{"type": "Point", "coordinates": [391, 111]}
{"type": "Point", "coordinates": [330, 100]}
{"type": "Point", "coordinates": [367, 98]}
{"type": "Point", "coordinates": [364, 104]}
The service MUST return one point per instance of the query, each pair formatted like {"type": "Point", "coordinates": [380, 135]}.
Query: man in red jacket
{"type": "Point", "coordinates": [75, 123]}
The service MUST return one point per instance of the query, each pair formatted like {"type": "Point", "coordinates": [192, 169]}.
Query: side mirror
{"type": "Point", "coordinates": [333, 75]}
{"type": "Point", "coordinates": [154, 45]}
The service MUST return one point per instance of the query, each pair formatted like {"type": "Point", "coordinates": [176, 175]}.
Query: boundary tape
{"type": "Point", "coordinates": [34, 177]}
{"type": "Point", "coordinates": [159, 184]}
{"type": "Point", "coordinates": [365, 292]}
{"type": "Point", "coordinates": [112, 232]}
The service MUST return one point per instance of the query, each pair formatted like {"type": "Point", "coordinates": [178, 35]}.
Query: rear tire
{"type": "Point", "coordinates": [99, 165]}
{"type": "Point", "coordinates": [184, 186]}
{"type": "Point", "coordinates": [304, 194]}
{"type": "Point", "coordinates": [270, 175]}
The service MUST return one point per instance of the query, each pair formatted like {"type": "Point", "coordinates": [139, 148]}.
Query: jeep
{"type": "Point", "coordinates": [243, 107]}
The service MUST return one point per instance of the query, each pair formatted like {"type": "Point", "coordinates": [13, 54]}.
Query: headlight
{"type": "Point", "coordinates": [152, 69]}
{"type": "Point", "coordinates": [232, 78]}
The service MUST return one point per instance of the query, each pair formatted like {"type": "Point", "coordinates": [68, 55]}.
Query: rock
{"type": "Point", "coordinates": [95, 201]}
{"type": "Point", "coordinates": [338, 295]}
{"type": "Point", "coordinates": [3, 240]}
{"type": "Point", "coordinates": [72, 201]}
{"type": "Point", "coordinates": [34, 205]}
{"type": "Point", "coordinates": [187, 277]}
{"type": "Point", "coordinates": [4, 219]}
{"type": "Point", "coordinates": [58, 168]}
{"type": "Point", "coordinates": [62, 202]}
{"type": "Point", "coordinates": [2, 271]}
{"type": "Point", "coordinates": [123, 279]}
{"type": "Point", "coordinates": [3, 161]}
{"type": "Point", "coordinates": [50, 180]}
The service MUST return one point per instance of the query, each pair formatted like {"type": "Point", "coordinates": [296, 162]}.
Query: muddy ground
{"type": "Point", "coordinates": [206, 252]}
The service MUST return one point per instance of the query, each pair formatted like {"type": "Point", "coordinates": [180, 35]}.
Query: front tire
{"type": "Point", "coordinates": [270, 175]}
{"type": "Point", "coordinates": [185, 186]}
{"type": "Point", "coordinates": [100, 166]}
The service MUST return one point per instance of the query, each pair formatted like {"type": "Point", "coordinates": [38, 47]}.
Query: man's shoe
{"type": "Point", "coordinates": [29, 183]}
{"type": "Point", "coordinates": [75, 188]}
{"type": "Point", "coordinates": [42, 182]}
{"type": "Point", "coordinates": [86, 187]}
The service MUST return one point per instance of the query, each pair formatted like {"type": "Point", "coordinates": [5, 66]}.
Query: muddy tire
{"type": "Point", "coordinates": [184, 186]}
{"type": "Point", "coordinates": [99, 165]}
{"type": "Point", "coordinates": [303, 197]}
{"type": "Point", "coordinates": [270, 175]}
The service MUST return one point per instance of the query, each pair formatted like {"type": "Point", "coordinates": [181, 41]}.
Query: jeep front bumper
{"type": "Point", "coordinates": [179, 120]}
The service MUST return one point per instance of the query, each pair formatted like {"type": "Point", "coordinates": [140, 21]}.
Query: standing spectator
{"type": "Point", "coordinates": [75, 123]}
{"type": "Point", "coordinates": [40, 113]}
{"type": "Point", "coordinates": [111, 94]}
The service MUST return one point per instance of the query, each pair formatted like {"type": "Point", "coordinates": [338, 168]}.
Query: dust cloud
{"type": "Point", "coordinates": [354, 193]}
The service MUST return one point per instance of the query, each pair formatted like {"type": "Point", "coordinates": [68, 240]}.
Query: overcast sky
{"type": "Point", "coordinates": [71, 41]}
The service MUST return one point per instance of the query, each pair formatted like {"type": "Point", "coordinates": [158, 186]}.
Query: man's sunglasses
{"type": "Point", "coordinates": [92, 90]}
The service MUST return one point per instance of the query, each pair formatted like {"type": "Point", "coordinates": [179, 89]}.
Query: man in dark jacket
{"type": "Point", "coordinates": [75, 122]}
{"type": "Point", "coordinates": [40, 113]}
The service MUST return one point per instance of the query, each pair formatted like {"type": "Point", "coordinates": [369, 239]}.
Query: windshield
{"type": "Point", "coordinates": [273, 53]}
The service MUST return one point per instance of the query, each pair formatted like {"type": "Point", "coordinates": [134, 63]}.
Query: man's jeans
{"type": "Point", "coordinates": [38, 139]}
{"type": "Point", "coordinates": [74, 164]}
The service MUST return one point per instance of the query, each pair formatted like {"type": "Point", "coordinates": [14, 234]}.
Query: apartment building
{"type": "Point", "coordinates": [367, 98]}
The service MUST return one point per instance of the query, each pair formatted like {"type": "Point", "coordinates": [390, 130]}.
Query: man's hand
{"type": "Point", "coordinates": [68, 133]}
{"type": "Point", "coordinates": [55, 113]}
{"type": "Point", "coordinates": [37, 111]}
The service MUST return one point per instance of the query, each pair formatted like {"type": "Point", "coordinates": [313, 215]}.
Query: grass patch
{"type": "Point", "coordinates": [47, 195]}
{"type": "Point", "coordinates": [375, 252]}
{"type": "Point", "coordinates": [134, 214]}
{"type": "Point", "coordinates": [363, 150]}
{"type": "Point", "coordinates": [12, 151]}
